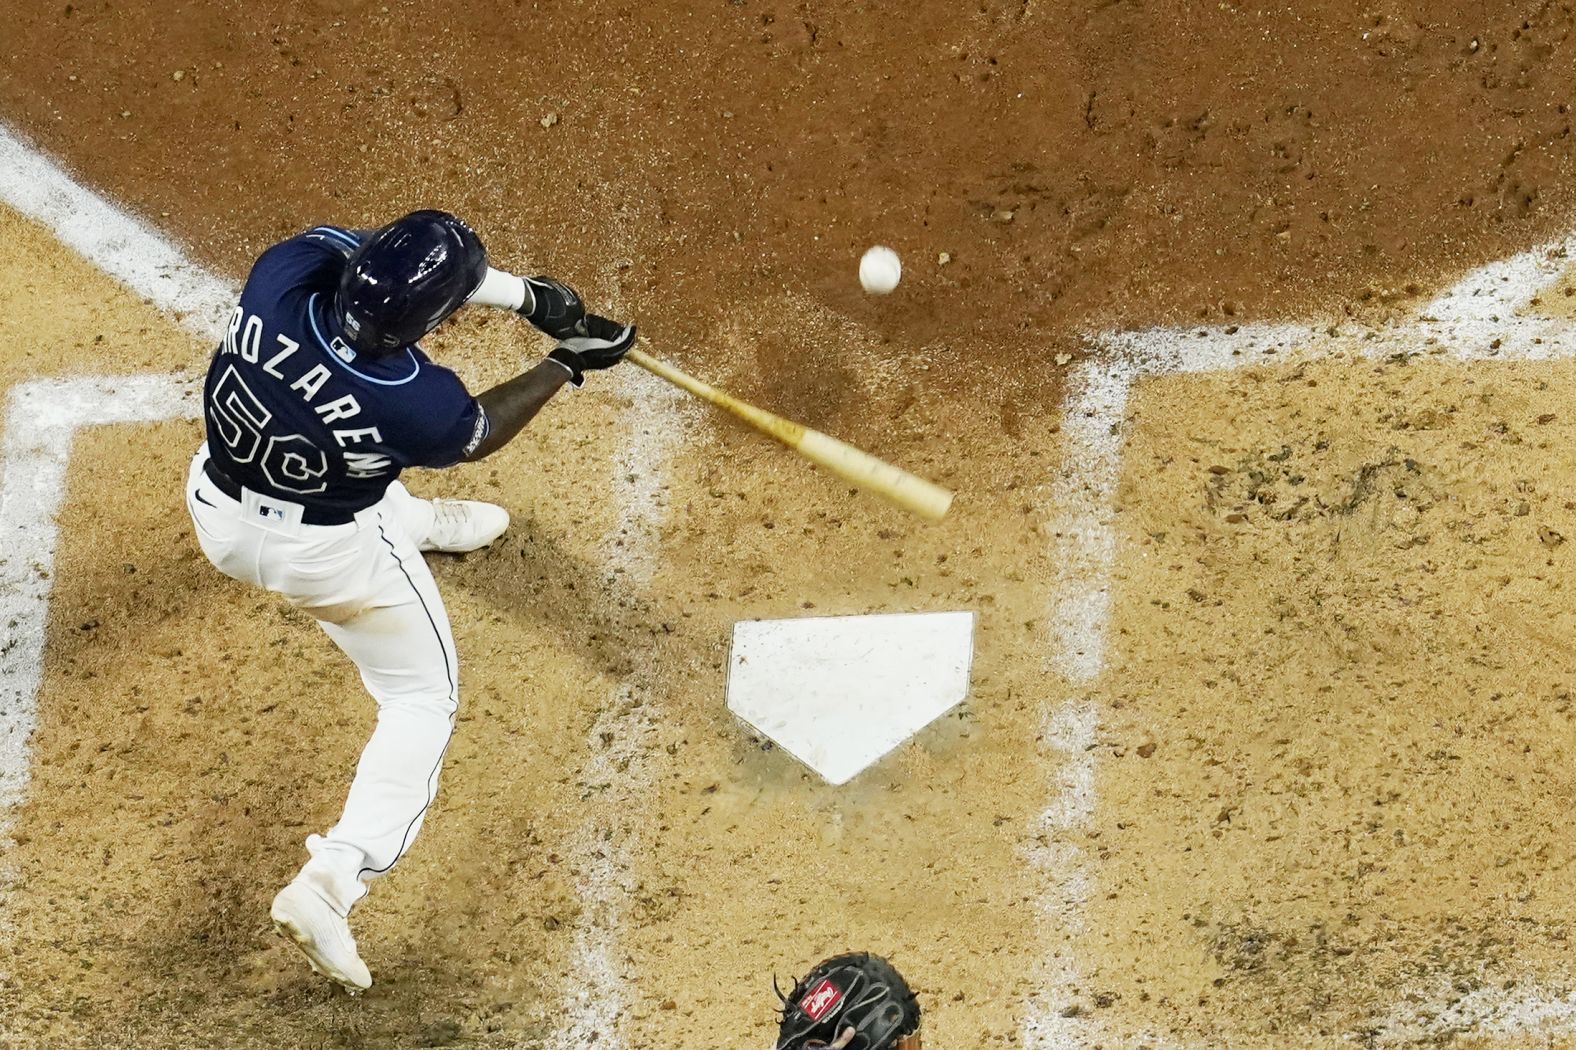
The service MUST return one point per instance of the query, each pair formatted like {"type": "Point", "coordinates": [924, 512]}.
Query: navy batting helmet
{"type": "Point", "coordinates": [403, 280]}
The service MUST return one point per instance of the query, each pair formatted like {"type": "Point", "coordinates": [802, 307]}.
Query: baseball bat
{"type": "Point", "coordinates": [908, 491]}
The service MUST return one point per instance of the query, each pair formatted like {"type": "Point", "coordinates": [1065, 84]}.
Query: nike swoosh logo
{"type": "Point", "coordinates": [198, 494]}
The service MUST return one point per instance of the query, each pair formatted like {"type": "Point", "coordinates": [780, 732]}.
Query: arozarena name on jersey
{"type": "Point", "coordinates": [244, 338]}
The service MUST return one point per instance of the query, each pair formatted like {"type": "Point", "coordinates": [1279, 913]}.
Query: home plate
{"type": "Point", "coordinates": [838, 692]}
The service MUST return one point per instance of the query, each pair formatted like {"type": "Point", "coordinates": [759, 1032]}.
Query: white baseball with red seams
{"type": "Point", "coordinates": [880, 270]}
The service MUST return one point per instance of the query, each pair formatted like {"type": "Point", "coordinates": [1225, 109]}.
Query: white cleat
{"type": "Point", "coordinates": [461, 525]}
{"type": "Point", "coordinates": [322, 934]}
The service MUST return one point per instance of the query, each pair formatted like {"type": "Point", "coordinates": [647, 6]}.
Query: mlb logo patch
{"type": "Point", "coordinates": [341, 348]}
{"type": "Point", "coordinates": [818, 1001]}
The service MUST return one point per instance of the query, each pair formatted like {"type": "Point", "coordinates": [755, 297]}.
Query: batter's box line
{"type": "Point", "coordinates": [1480, 318]}
{"type": "Point", "coordinates": [41, 422]}
{"type": "Point", "coordinates": [42, 416]}
{"type": "Point", "coordinates": [118, 243]}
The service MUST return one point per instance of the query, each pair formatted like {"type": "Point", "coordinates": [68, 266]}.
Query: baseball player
{"type": "Point", "coordinates": [315, 401]}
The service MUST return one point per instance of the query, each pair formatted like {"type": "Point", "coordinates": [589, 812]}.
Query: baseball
{"type": "Point", "coordinates": [879, 270]}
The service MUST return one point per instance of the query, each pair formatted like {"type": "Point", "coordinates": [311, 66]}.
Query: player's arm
{"type": "Point", "coordinates": [509, 406]}
{"type": "Point", "coordinates": [550, 305]}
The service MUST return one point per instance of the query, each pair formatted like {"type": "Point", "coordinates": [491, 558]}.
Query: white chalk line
{"type": "Point", "coordinates": [1475, 320]}
{"type": "Point", "coordinates": [41, 420]}
{"type": "Point", "coordinates": [624, 734]}
{"type": "Point", "coordinates": [121, 245]}
{"type": "Point", "coordinates": [623, 737]}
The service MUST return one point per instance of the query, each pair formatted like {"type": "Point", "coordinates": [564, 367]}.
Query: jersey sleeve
{"type": "Point", "coordinates": [335, 238]}
{"type": "Point", "coordinates": [451, 424]}
{"type": "Point", "coordinates": [313, 260]}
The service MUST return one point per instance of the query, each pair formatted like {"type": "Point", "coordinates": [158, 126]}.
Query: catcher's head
{"type": "Point", "coordinates": [856, 1001]}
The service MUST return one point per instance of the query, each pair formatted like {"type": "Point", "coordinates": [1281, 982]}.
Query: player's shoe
{"type": "Point", "coordinates": [461, 525]}
{"type": "Point", "coordinates": [300, 914]}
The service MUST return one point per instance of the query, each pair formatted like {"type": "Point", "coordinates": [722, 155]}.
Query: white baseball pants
{"type": "Point", "coordinates": [370, 590]}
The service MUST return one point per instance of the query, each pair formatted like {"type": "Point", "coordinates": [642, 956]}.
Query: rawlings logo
{"type": "Point", "coordinates": [818, 1001]}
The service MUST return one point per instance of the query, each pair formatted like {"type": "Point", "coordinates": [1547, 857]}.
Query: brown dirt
{"type": "Point", "coordinates": [1339, 732]}
{"type": "Point", "coordinates": [715, 170]}
{"type": "Point", "coordinates": [1558, 298]}
{"type": "Point", "coordinates": [1170, 162]}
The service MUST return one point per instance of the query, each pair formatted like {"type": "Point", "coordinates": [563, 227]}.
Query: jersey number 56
{"type": "Point", "coordinates": [290, 461]}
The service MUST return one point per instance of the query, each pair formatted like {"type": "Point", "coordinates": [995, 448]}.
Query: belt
{"type": "Point", "coordinates": [309, 515]}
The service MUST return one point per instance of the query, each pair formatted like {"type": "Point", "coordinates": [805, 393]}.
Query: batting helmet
{"type": "Point", "coordinates": [403, 280]}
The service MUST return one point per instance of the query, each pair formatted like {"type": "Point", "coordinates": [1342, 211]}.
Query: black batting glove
{"type": "Point", "coordinates": [598, 343]}
{"type": "Point", "coordinates": [555, 307]}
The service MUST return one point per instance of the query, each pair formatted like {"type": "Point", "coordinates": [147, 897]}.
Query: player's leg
{"type": "Point", "coordinates": [450, 525]}
{"type": "Point", "coordinates": [376, 599]}
{"type": "Point", "coordinates": [404, 649]}
{"type": "Point", "coordinates": [416, 516]}
{"type": "Point", "coordinates": [246, 552]}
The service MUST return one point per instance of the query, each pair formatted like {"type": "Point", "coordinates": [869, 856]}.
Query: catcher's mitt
{"type": "Point", "coordinates": [856, 1001]}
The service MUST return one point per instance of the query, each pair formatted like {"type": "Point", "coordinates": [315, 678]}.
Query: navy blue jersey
{"type": "Point", "coordinates": [293, 412]}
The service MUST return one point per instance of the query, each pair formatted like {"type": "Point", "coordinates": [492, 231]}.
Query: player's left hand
{"type": "Point", "coordinates": [555, 308]}
{"type": "Point", "coordinates": [597, 342]}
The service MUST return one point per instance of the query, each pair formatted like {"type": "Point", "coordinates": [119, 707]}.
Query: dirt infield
{"type": "Point", "coordinates": [1084, 165]}
{"type": "Point", "coordinates": [1327, 751]}
{"type": "Point", "coordinates": [1340, 736]}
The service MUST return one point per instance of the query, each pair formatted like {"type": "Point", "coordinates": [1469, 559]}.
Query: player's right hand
{"type": "Point", "coordinates": [555, 308]}
{"type": "Point", "coordinates": [597, 342]}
